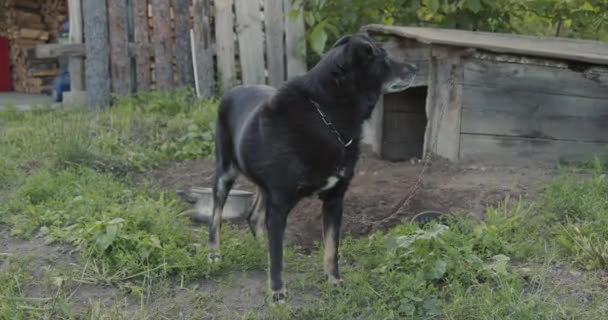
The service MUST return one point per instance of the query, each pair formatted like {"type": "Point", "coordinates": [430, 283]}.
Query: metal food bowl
{"type": "Point", "coordinates": [236, 206]}
{"type": "Point", "coordinates": [426, 217]}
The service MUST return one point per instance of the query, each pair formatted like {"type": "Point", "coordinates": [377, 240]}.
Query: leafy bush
{"type": "Point", "coordinates": [122, 230]}
{"type": "Point", "coordinates": [328, 19]}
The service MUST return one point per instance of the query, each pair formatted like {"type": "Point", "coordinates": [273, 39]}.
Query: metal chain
{"type": "Point", "coordinates": [405, 201]}
{"type": "Point", "coordinates": [330, 125]}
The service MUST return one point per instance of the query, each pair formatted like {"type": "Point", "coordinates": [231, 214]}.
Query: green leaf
{"type": "Point", "coordinates": [407, 308]}
{"type": "Point", "coordinates": [318, 38]}
{"type": "Point", "coordinates": [430, 306]}
{"type": "Point", "coordinates": [105, 239]}
{"type": "Point", "coordinates": [433, 5]}
{"type": "Point", "coordinates": [439, 269]}
{"type": "Point", "coordinates": [474, 5]}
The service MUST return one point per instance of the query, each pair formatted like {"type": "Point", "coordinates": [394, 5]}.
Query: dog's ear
{"type": "Point", "coordinates": [341, 41]}
{"type": "Point", "coordinates": [364, 51]}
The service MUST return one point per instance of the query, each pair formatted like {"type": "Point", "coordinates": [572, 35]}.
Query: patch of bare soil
{"type": "Point", "coordinates": [380, 186]}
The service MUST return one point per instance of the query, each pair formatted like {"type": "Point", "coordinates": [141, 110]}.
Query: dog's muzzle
{"type": "Point", "coordinates": [402, 78]}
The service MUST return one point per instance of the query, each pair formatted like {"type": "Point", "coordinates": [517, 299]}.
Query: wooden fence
{"type": "Point", "coordinates": [161, 44]}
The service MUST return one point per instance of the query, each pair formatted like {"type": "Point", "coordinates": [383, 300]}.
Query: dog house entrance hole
{"type": "Point", "coordinates": [404, 124]}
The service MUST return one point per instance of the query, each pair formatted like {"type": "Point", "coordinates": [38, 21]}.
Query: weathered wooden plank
{"type": "Point", "coordinates": [183, 49]}
{"type": "Point", "coordinates": [97, 76]}
{"type": "Point", "coordinates": [509, 149]}
{"type": "Point", "coordinates": [493, 111]}
{"type": "Point", "coordinates": [275, 49]}
{"type": "Point", "coordinates": [45, 51]}
{"type": "Point", "coordinates": [54, 50]}
{"type": "Point", "coordinates": [76, 64]}
{"type": "Point", "coordinates": [566, 49]}
{"type": "Point", "coordinates": [142, 40]}
{"type": "Point", "coordinates": [500, 122]}
{"type": "Point", "coordinates": [444, 104]}
{"type": "Point", "coordinates": [372, 129]}
{"type": "Point", "coordinates": [120, 62]}
{"type": "Point", "coordinates": [405, 127]}
{"type": "Point", "coordinates": [224, 35]}
{"type": "Point", "coordinates": [533, 78]}
{"type": "Point", "coordinates": [251, 41]}
{"type": "Point", "coordinates": [203, 53]}
{"type": "Point", "coordinates": [163, 44]}
{"type": "Point", "coordinates": [295, 46]}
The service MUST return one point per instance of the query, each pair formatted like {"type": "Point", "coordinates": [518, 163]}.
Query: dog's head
{"type": "Point", "coordinates": [369, 64]}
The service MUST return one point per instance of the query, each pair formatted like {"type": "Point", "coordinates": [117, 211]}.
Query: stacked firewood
{"type": "Point", "coordinates": [28, 23]}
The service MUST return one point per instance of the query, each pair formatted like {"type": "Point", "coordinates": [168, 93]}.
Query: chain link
{"type": "Point", "coordinates": [330, 125]}
{"type": "Point", "coordinates": [405, 201]}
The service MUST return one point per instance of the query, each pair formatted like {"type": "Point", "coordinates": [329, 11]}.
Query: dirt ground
{"type": "Point", "coordinates": [375, 193]}
{"type": "Point", "coordinates": [379, 187]}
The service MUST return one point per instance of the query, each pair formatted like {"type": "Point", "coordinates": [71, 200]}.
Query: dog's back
{"type": "Point", "coordinates": [239, 103]}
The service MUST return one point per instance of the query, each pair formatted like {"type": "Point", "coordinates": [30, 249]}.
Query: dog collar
{"type": "Point", "coordinates": [330, 125]}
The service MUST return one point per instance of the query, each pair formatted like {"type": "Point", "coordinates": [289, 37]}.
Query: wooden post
{"type": "Point", "coordinates": [97, 64]}
{"type": "Point", "coordinates": [444, 103]}
{"type": "Point", "coordinates": [183, 55]}
{"type": "Point", "coordinates": [142, 42]}
{"type": "Point", "coordinates": [76, 96]}
{"type": "Point", "coordinates": [294, 33]}
{"type": "Point", "coordinates": [119, 39]}
{"type": "Point", "coordinates": [275, 50]}
{"type": "Point", "coordinates": [224, 42]}
{"type": "Point", "coordinates": [251, 41]}
{"type": "Point", "coordinates": [202, 45]}
{"type": "Point", "coordinates": [76, 64]}
{"type": "Point", "coordinates": [163, 44]}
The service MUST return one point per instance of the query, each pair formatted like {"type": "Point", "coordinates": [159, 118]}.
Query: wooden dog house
{"type": "Point", "coordinates": [493, 97]}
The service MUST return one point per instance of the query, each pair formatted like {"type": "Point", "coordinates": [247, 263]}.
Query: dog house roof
{"type": "Point", "coordinates": [594, 52]}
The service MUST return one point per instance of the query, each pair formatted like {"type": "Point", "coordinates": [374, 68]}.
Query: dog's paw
{"type": "Point", "coordinates": [279, 296]}
{"type": "Point", "coordinates": [335, 282]}
{"type": "Point", "coordinates": [214, 258]}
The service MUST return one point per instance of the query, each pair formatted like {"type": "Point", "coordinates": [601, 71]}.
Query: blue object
{"type": "Point", "coordinates": [61, 84]}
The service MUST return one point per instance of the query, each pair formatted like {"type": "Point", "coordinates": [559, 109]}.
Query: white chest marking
{"type": "Point", "coordinates": [331, 182]}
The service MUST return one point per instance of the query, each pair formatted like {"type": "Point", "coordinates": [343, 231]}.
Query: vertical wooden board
{"type": "Point", "coordinates": [142, 44]}
{"type": "Point", "coordinates": [203, 54]}
{"type": "Point", "coordinates": [76, 64]}
{"type": "Point", "coordinates": [444, 104]}
{"type": "Point", "coordinates": [224, 42]}
{"type": "Point", "coordinates": [251, 41]}
{"type": "Point", "coordinates": [119, 39]}
{"type": "Point", "coordinates": [275, 48]}
{"type": "Point", "coordinates": [372, 129]}
{"type": "Point", "coordinates": [183, 49]}
{"type": "Point", "coordinates": [295, 45]}
{"type": "Point", "coordinates": [163, 44]}
{"type": "Point", "coordinates": [97, 64]}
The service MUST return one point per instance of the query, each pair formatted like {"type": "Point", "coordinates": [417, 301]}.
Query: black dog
{"type": "Point", "coordinates": [301, 140]}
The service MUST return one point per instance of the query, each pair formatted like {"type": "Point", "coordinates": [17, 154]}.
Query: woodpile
{"type": "Point", "coordinates": [28, 23]}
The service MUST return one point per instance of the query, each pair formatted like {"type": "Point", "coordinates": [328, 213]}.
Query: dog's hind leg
{"type": "Point", "coordinates": [332, 221]}
{"type": "Point", "coordinates": [223, 180]}
{"type": "Point", "coordinates": [257, 215]}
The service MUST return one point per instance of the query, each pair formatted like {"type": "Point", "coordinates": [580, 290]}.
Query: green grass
{"type": "Point", "coordinates": [67, 177]}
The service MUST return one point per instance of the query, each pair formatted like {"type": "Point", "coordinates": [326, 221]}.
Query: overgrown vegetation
{"type": "Point", "coordinates": [67, 177]}
{"type": "Point", "coordinates": [329, 19]}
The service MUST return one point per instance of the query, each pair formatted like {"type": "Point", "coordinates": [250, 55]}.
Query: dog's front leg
{"type": "Point", "coordinates": [276, 219]}
{"type": "Point", "coordinates": [332, 221]}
